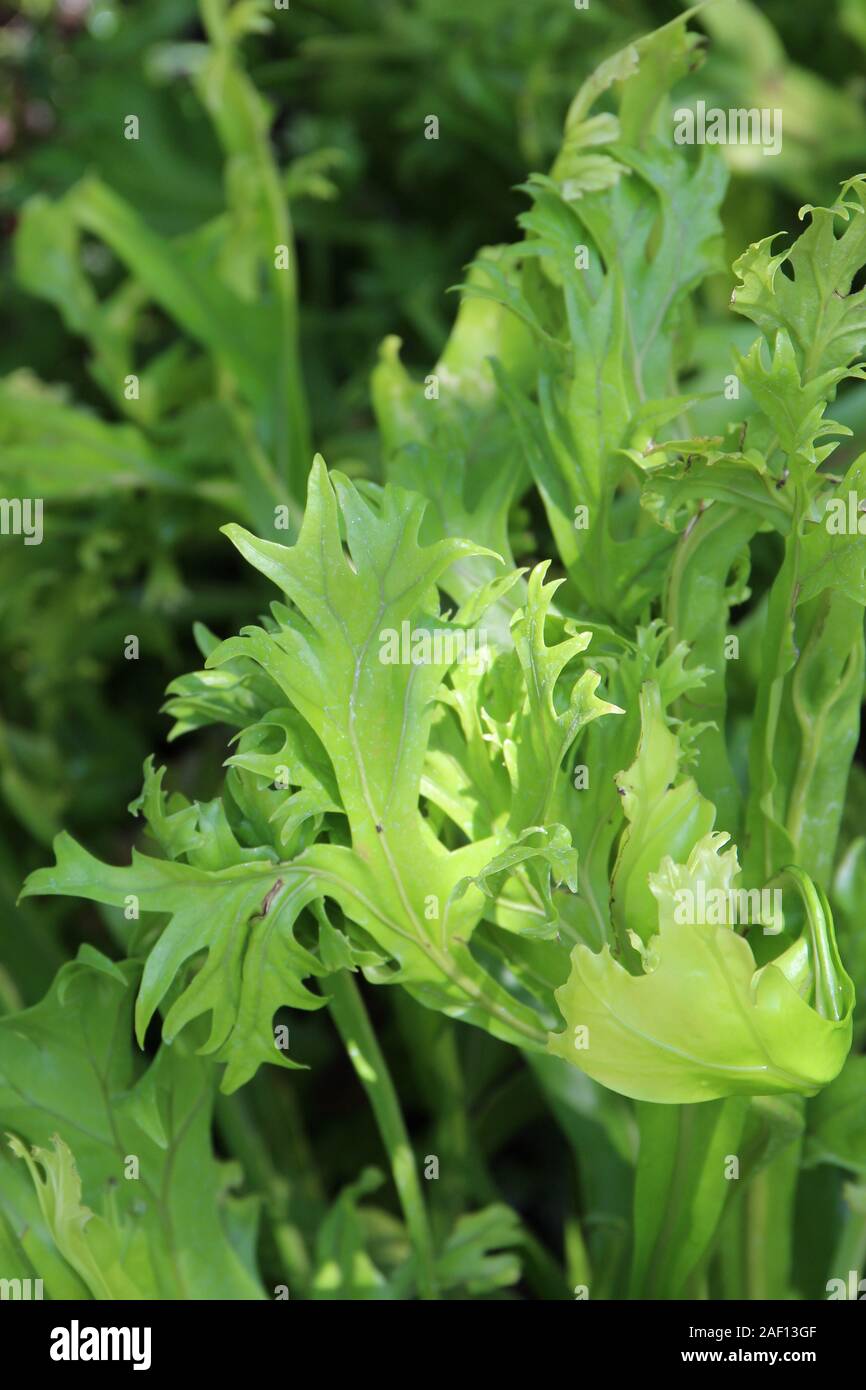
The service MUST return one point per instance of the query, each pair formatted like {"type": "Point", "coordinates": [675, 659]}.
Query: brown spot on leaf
{"type": "Point", "coordinates": [270, 895]}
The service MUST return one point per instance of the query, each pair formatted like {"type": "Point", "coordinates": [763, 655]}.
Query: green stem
{"type": "Point", "coordinates": [353, 1024]}
{"type": "Point", "coordinates": [464, 1170]}
{"type": "Point", "coordinates": [768, 1215]}
{"type": "Point", "coordinates": [730, 1261]}
{"type": "Point", "coordinates": [431, 1043]}
{"type": "Point", "coordinates": [577, 1262]}
{"type": "Point", "coordinates": [757, 1236]}
{"type": "Point", "coordinates": [244, 1140]}
{"type": "Point", "coordinates": [680, 1191]}
{"type": "Point", "coordinates": [850, 1252]}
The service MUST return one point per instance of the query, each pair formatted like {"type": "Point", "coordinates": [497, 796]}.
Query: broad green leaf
{"type": "Point", "coordinates": [129, 1188]}
{"type": "Point", "coordinates": [735, 1029]}
{"type": "Point", "coordinates": [243, 916]}
{"type": "Point", "coordinates": [825, 322]}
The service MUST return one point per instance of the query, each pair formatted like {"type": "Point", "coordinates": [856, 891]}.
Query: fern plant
{"type": "Point", "coordinates": [531, 798]}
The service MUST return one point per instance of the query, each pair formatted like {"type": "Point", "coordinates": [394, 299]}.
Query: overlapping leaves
{"type": "Point", "coordinates": [351, 747]}
{"type": "Point", "coordinates": [124, 1198]}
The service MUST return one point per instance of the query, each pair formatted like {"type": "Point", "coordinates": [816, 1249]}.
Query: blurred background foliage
{"type": "Point", "coordinates": [146, 259]}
